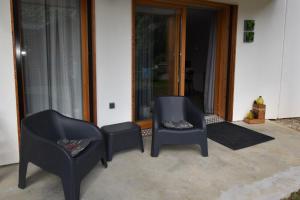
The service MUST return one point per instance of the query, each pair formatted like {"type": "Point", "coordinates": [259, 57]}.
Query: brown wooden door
{"type": "Point", "coordinates": [223, 22]}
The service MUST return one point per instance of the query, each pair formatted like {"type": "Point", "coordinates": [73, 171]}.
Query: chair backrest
{"type": "Point", "coordinates": [171, 108]}
{"type": "Point", "coordinates": [45, 124]}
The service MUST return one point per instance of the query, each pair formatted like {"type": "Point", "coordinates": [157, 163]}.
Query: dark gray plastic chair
{"type": "Point", "coordinates": [39, 135]}
{"type": "Point", "coordinates": [173, 108]}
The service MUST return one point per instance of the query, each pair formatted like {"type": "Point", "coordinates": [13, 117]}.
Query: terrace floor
{"type": "Point", "coordinates": [293, 123]}
{"type": "Point", "coordinates": [267, 171]}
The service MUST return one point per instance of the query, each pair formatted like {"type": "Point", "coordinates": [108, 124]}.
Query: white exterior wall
{"type": "Point", "coordinates": [9, 152]}
{"type": "Point", "coordinates": [272, 62]}
{"type": "Point", "coordinates": [289, 105]}
{"type": "Point", "coordinates": [258, 64]}
{"type": "Point", "coordinates": [113, 58]}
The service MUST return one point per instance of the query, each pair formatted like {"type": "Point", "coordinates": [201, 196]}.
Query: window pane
{"type": "Point", "coordinates": [51, 56]}
{"type": "Point", "coordinates": [155, 57]}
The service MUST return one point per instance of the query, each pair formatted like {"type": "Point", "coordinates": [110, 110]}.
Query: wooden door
{"type": "Point", "coordinates": [222, 61]}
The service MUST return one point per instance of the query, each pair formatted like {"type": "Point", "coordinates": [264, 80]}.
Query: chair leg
{"type": "Point", "coordinates": [154, 149]}
{"type": "Point", "coordinates": [71, 188]}
{"type": "Point", "coordinates": [141, 143]}
{"type": "Point", "coordinates": [204, 148]}
{"type": "Point", "coordinates": [104, 163]}
{"type": "Point", "coordinates": [109, 149]}
{"type": "Point", "coordinates": [22, 173]}
{"type": "Point", "coordinates": [109, 155]}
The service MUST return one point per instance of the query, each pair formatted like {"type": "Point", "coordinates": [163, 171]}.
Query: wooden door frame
{"type": "Point", "coordinates": [88, 36]}
{"type": "Point", "coordinates": [225, 64]}
{"type": "Point", "coordinates": [18, 82]}
{"type": "Point", "coordinates": [85, 60]}
{"type": "Point", "coordinates": [221, 66]}
{"type": "Point", "coordinates": [231, 62]}
{"type": "Point", "coordinates": [92, 61]}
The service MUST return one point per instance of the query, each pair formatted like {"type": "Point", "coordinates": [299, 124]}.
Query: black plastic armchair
{"type": "Point", "coordinates": [39, 135]}
{"type": "Point", "coordinates": [173, 108]}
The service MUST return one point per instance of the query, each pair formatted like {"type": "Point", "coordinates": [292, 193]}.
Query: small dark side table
{"type": "Point", "coordinates": [122, 136]}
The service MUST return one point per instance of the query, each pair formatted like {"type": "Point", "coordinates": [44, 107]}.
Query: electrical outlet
{"type": "Point", "coordinates": [111, 105]}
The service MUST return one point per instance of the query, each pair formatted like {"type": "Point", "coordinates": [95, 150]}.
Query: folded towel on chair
{"type": "Point", "coordinates": [182, 124]}
{"type": "Point", "coordinates": [74, 147]}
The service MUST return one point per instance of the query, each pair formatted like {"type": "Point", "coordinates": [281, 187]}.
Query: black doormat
{"type": "Point", "coordinates": [235, 137]}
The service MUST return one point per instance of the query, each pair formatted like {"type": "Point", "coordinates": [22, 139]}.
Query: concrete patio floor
{"type": "Point", "coordinates": [267, 171]}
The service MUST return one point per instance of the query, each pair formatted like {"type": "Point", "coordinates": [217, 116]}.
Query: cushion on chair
{"type": "Point", "coordinates": [182, 124]}
{"type": "Point", "coordinates": [74, 147]}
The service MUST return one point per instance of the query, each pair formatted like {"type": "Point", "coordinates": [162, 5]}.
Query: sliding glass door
{"type": "Point", "coordinates": [156, 57]}
{"type": "Point", "coordinates": [51, 54]}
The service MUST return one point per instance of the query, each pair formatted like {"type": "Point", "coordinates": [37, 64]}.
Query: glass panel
{"type": "Point", "coordinates": [51, 56]}
{"type": "Point", "coordinates": [155, 57]}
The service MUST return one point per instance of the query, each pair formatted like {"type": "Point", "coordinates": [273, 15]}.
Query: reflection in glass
{"type": "Point", "coordinates": [155, 57]}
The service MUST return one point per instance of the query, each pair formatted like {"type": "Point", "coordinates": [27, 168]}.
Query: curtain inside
{"type": "Point", "coordinates": [210, 69]}
{"type": "Point", "coordinates": [144, 64]}
{"type": "Point", "coordinates": [155, 53]}
{"type": "Point", "coordinates": [51, 56]}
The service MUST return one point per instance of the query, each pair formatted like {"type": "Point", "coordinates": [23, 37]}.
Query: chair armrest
{"type": "Point", "coordinates": [79, 129]}
{"type": "Point", "coordinates": [43, 152]}
{"type": "Point", "coordinates": [30, 139]}
{"type": "Point", "coordinates": [195, 116]}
